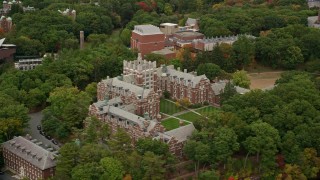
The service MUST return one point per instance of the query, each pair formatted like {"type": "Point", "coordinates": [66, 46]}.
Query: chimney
{"type": "Point", "coordinates": [81, 39]}
{"type": "Point", "coordinates": [185, 71]}
{"type": "Point", "coordinates": [178, 68]}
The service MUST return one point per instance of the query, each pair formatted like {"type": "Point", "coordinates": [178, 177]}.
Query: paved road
{"type": "Point", "coordinates": [6, 176]}
{"type": "Point", "coordinates": [35, 120]}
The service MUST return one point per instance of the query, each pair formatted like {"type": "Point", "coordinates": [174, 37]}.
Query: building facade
{"type": "Point", "coordinates": [6, 24]}
{"type": "Point", "coordinates": [147, 38]}
{"type": "Point", "coordinates": [6, 50]}
{"type": "Point", "coordinates": [27, 64]}
{"type": "Point", "coordinates": [27, 158]}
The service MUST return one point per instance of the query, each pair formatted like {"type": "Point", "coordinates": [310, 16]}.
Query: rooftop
{"type": "Point", "coordinates": [31, 152]}
{"type": "Point", "coordinates": [147, 29]}
{"type": "Point", "coordinates": [188, 33]}
{"type": "Point", "coordinates": [168, 24]}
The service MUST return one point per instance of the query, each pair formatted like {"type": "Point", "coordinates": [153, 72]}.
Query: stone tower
{"type": "Point", "coordinates": [81, 39]}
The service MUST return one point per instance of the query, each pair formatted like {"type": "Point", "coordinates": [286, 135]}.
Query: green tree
{"type": "Point", "coordinates": [263, 140]}
{"type": "Point", "coordinates": [153, 166]}
{"type": "Point", "coordinates": [68, 107]}
{"type": "Point", "coordinates": [155, 146]}
{"type": "Point", "coordinates": [168, 9]}
{"type": "Point", "coordinates": [210, 70]}
{"type": "Point", "coordinates": [112, 169]}
{"type": "Point", "coordinates": [240, 78]}
{"type": "Point", "coordinates": [87, 171]}
{"type": "Point", "coordinates": [244, 51]}
{"type": "Point", "coordinates": [125, 36]}
{"type": "Point", "coordinates": [224, 144]}
{"type": "Point", "coordinates": [68, 159]}
{"type": "Point", "coordinates": [228, 92]}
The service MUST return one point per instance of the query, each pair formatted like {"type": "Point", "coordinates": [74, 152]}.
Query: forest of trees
{"type": "Point", "coordinates": [268, 134]}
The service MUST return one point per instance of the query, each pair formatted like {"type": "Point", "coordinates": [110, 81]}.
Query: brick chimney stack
{"type": "Point", "coordinates": [81, 39]}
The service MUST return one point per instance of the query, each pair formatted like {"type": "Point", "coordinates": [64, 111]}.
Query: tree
{"type": "Point", "coordinates": [228, 92]}
{"type": "Point", "coordinates": [292, 171]}
{"type": "Point", "coordinates": [263, 140]}
{"type": "Point", "coordinates": [224, 144]}
{"type": "Point", "coordinates": [125, 36]}
{"type": "Point", "coordinates": [120, 142]}
{"type": "Point", "coordinates": [210, 70]}
{"type": "Point", "coordinates": [91, 90]}
{"type": "Point", "coordinates": [244, 51]}
{"type": "Point", "coordinates": [87, 171]}
{"type": "Point", "coordinates": [155, 146]}
{"type": "Point", "coordinates": [68, 159]}
{"type": "Point", "coordinates": [97, 39]}
{"type": "Point", "coordinates": [168, 9]}
{"type": "Point", "coordinates": [112, 169]}
{"type": "Point", "coordinates": [153, 166]}
{"type": "Point", "coordinates": [198, 152]}
{"type": "Point", "coordinates": [310, 163]}
{"type": "Point", "coordinates": [9, 128]}
{"type": "Point", "coordinates": [240, 78]}
{"type": "Point", "coordinates": [68, 107]}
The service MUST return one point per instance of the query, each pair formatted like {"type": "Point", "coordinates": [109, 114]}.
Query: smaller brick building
{"type": "Point", "coordinates": [6, 50]}
{"type": "Point", "coordinates": [147, 38]}
{"type": "Point", "coordinates": [27, 158]}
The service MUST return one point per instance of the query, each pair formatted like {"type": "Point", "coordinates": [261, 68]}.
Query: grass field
{"type": "Point", "coordinates": [168, 107]}
{"type": "Point", "coordinates": [172, 123]}
{"type": "Point", "coordinates": [191, 116]}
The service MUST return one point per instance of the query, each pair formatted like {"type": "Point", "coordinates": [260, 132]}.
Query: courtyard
{"type": "Point", "coordinates": [176, 117]}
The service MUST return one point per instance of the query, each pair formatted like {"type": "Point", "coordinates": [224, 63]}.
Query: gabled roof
{"type": "Point", "coordinates": [217, 87]}
{"type": "Point", "coordinates": [170, 71]}
{"type": "Point", "coordinates": [131, 87]}
{"type": "Point", "coordinates": [181, 133]}
{"type": "Point", "coordinates": [31, 152]}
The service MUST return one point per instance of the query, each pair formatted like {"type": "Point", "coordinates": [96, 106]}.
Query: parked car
{"type": "Point", "coordinates": [54, 142]}
{"type": "Point", "coordinates": [39, 127]}
{"type": "Point", "coordinates": [42, 133]}
{"type": "Point", "coordinates": [48, 137]}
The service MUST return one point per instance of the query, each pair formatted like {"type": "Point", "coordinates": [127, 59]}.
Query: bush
{"type": "Point", "coordinates": [166, 94]}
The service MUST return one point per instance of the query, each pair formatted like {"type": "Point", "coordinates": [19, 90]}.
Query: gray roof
{"type": "Point", "coordinates": [163, 51]}
{"type": "Point", "coordinates": [191, 21]}
{"type": "Point", "coordinates": [147, 29]}
{"type": "Point", "coordinates": [217, 87]}
{"type": "Point", "coordinates": [131, 87]}
{"type": "Point", "coordinates": [169, 70]}
{"type": "Point", "coordinates": [31, 152]}
{"type": "Point", "coordinates": [181, 133]}
{"type": "Point", "coordinates": [1, 41]}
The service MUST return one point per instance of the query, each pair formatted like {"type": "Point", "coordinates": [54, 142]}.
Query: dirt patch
{"type": "Point", "coordinates": [263, 80]}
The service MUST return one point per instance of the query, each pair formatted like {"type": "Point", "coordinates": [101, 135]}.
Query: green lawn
{"type": "Point", "coordinates": [168, 107]}
{"type": "Point", "coordinates": [172, 123]}
{"type": "Point", "coordinates": [191, 116]}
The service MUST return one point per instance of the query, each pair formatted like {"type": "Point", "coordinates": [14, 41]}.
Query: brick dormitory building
{"type": "Point", "coordinates": [132, 101]}
{"type": "Point", "coordinates": [27, 158]}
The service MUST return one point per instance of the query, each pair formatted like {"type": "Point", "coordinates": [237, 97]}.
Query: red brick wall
{"type": "Point", "coordinates": [7, 53]}
{"type": "Point", "coordinates": [147, 43]}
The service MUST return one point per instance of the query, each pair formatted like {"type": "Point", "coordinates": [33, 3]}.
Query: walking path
{"type": "Point", "coordinates": [182, 112]}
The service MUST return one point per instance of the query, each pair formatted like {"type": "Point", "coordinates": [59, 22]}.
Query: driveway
{"type": "Point", "coordinates": [35, 120]}
{"type": "Point", "coordinates": [7, 176]}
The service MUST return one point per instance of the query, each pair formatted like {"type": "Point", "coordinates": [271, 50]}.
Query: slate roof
{"type": "Point", "coordinates": [191, 21]}
{"type": "Point", "coordinates": [169, 70]}
{"type": "Point", "coordinates": [147, 29]}
{"type": "Point", "coordinates": [131, 87]}
{"type": "Point", "coordinates": [181, 133]}
{"type": "Point", "coordinates": [31, 152]}
{"type": "Point", "coordinates": [217, 87]}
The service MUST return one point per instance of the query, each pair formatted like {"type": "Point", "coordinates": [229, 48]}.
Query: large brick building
{"type": "Point", "coordinates": [132, 101]}
{"type": "Point", "coordinates": [25, 157]}
{"type": "Point", "coordinates": [147, 38]}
